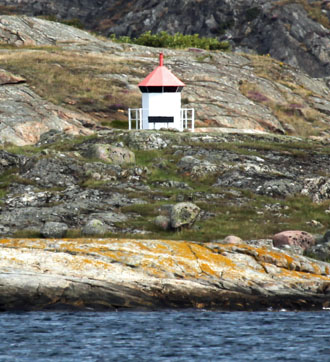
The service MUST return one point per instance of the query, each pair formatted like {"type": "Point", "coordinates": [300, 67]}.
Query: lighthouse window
{"type": "Point", "coordinates": [166, 89]}
{"type": "Point", "coordinates": [155, 89]}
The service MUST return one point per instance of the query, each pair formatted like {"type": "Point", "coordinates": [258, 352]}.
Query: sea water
{"type": "Point", "coordinates": [190, 335]}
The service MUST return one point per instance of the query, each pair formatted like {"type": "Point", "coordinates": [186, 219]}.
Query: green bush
{"type": "Point", "coordinates": [178, 40]}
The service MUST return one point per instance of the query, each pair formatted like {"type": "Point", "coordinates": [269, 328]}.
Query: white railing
{"type": "Point", "coordinates": [135, 114]}
{"type": "Point", "coordinates": [187, 118]}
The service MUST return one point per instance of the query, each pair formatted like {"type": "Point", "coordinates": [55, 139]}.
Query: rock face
{"type": "Point", "coordinates": [302, 239]}
{"type": "Point", "coordinates": [290, 31]}
{"type": "Point", "coordinates": [25, 116]}
{"type": "Point", "coordinates": [21, 31]}
{"type": "Point", "coordinates": [113, 274]}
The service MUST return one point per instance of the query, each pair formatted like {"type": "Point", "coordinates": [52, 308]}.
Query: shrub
{"type": "Point", "coordinates": [178, 40]}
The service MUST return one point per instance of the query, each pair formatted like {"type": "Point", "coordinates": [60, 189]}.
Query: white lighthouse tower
{"type": "Point", "coordinates": [161, 102]}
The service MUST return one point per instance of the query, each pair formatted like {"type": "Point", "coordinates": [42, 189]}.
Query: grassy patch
{"type": "Point", "coordinates": [81, 83]}
{"type": "Point", "coordinates": [28, 234]}
{"type": "Point", "coordinates": [178, 40]}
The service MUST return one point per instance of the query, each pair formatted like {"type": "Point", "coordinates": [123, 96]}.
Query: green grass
{"type": "Point", "coordinates": [178, 40]}
{"type": "Point", "coordinates": [28, 234]}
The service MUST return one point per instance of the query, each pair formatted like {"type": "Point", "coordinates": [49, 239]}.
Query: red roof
{"type": "Point", "coordinates": [161, 77]}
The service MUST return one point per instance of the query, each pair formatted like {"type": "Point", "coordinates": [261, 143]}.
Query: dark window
{"type": "Point", "coordinates": [161, 119]}
{"type": "Point", "coordinates": [160, 89]}
{"type": "Point", "coordinates": [155, 89]}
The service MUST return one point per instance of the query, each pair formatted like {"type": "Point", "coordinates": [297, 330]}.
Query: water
{"type": "Point", "coordinates": [165, 336]}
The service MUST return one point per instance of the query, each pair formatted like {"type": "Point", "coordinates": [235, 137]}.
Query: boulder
{"type": "Point", "coordinates": [94, 227]}
{"type": "Point", "coordinates": [302, 239]}
{"type": "Point", "coordinates": [183, 214]}
{"type": "Point", "coordinates": [163, 222]}
{"type": "Point", "coordinates": [326, 237]}
{"type": "Point", "coordinates": [54, 229]}
{"type": "Point", "coordinates": [232, 239]}
{"type": "Point", "coordinates": [111, 154]}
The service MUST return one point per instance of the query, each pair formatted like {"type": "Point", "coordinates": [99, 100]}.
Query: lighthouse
{"type": "Point", "coordinates": [161, 102]}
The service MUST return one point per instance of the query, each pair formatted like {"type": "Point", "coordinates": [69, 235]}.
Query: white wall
{"type": "Point", "coordinates": [161, 105]}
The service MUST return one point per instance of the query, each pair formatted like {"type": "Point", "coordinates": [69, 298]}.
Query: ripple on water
{"type": "Point", "coordinates": [165, 336]}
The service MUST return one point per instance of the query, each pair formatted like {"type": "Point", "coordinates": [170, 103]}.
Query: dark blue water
{"type": "Point", "coordinates": [165, 336]}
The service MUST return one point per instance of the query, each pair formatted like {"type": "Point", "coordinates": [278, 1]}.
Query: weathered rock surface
{"type": "Point", "coordinates": [290, 31]}
{"type": "Point", "coordinates": [149, 274]}
{"type": "Point", "coordinates": [22, 31]}
{"type": "Point", "coordinates": [111, 154]}
{"type": "Point", "coordinates": [25, 116]}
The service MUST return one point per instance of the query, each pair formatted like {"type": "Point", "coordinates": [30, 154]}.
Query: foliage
{"type": "Point", "coordinates": [178, 40]}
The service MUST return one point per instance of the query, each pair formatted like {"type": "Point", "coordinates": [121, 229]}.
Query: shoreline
{"type": "Point", "coordinates": [126, 274]}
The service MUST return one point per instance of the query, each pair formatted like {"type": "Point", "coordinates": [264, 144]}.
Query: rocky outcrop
{"type": "Point", "coordinates": [54, 182]}
{"type": "Point", "coordinates": [295, 32]}
{"type": "Point", "coordinates": [150, 274]}
{"type": "Point", "coordinates": [21, 31]}
{"type": "Point", "coordinates": [229, 90]}
{"type": "Point", "coordinates": [25, 116]}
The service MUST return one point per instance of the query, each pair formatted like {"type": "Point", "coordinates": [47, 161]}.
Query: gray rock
{"type": "Point", "coordinates": [146, 140]}
{"type": "Point", "coordinates": [281, 187]}
{"type": "Point", "coordinates": [37, 31]}
{"type": "Point", "coordinates": [197, 168]}
{"type": "Point", "coordinates": [326, 237]}
{"type": "Point", "coordinates": [320, 251]}
{"type": "Point", "coordinates": [54, 230]}
{"type": "Point", "coordinates": [94, 227]}
{"type": "Point", "coordinates": [56, 171]}
{"type": "Point", "coordinates": [111, 154]}
{"type": "Point", "coordinates": [184, 214]}
{"type": "Point", "coordinates": [317, 188]}
{"type": "Point", "coordinates": [232, 239]}
{"type": "Point", "coordinates": [163, 222]}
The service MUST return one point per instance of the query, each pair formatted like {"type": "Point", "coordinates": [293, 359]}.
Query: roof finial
{"type": "Point", "coordinates": [161, 59]}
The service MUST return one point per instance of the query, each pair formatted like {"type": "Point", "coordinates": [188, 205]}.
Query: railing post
{"type": "Point", "coordinates": [129, 119]}
{"type": "Point", "coordinates": [193, 120]}
{"type": "Point", "coordinates": [141, 118]}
